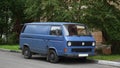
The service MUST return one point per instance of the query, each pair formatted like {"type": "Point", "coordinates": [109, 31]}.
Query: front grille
{"type": "Point", "coordinates": [80, 43]}
{"type": "Point", "coordinates": [81, 50]}
{"type": "Point", "coordinates": [76, 43]}
{"type": "Point", "coordinates": [88, 43]}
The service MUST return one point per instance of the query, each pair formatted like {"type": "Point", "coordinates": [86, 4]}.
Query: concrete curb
{"type": "Point", "coordinates": [112, 63]}
{"type": "Point", "coordinates": [7, 50]}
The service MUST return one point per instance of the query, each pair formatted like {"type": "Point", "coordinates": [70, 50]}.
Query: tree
{"type": "Point", "coordinates": [102, 15]}
{"type": "Point", "coordinates": [4, 18]}
{"type": "Point", "coordinates": [33, 10]}
{"type": "Point", "coordinates": [99, 14]}
{"type": "Point", "coordinates": [11, 16]}
{"type": "Point", "coordinates": [17, 8]}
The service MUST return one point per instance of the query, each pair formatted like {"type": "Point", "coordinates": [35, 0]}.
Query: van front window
{"type": "Point", "coordinates": [75, 29]}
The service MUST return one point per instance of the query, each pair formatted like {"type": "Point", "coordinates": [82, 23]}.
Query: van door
{"type": "Point", "coordinates": [56, 38]}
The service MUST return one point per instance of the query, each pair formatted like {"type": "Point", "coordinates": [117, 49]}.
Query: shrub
{"type": "Point", "coordinates": [12, 38]}
{"type": "Point", "coordinates": [2, 41]}
{"type": "Point", "coordinates": [98, 51]}
{"type": "Point", "coordinates": [115, 47]}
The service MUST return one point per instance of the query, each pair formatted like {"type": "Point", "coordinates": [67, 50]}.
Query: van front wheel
{"type": "Point", "coordinates": [52, 56]}
{"type": "Point", "coordinates": [27, 53]}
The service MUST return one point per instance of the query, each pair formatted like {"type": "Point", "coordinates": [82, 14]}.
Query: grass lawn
{"type": "Point", "coordinates": [10, 47]}
{"type": "Point", "coordinates": [106, 57]}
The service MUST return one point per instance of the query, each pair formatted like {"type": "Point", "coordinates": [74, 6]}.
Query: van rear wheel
{"type": "Point", "coordinates": [52, 56]}
{"type": "Point", "coordinates": [27, 53]}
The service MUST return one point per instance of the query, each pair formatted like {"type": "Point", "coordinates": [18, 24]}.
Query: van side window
{"type": "Point", "coordinates": [56, 30]}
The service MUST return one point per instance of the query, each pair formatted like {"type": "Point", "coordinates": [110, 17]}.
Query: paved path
{"type": "Point", "coordinates": [16, 60]}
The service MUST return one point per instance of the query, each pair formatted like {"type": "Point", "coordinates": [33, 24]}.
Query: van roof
{"type": "Point", "coordinates": [52, 23]}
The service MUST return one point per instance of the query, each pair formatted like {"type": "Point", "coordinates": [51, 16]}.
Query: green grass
{"type": "Point", "coordinates": [10, 47]}
{"type": "Point", "coordinates": [106, 57]}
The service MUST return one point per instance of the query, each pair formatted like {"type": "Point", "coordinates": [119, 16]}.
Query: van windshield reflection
{"type": "Point", "coordinates": [76, 30]}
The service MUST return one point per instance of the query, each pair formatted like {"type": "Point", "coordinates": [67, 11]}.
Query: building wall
{"type": "Point", "coordinates": [98, 37]}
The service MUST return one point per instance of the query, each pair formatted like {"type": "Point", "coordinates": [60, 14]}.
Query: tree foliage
{"type": "Point", "coordinates": [4, 18]}
{"type": "Point", "coordinates": [99, 14]}
{"type": "Point", "coordinates": [11, 16]}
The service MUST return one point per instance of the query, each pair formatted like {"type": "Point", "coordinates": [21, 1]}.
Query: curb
{"type": "Point", "coordinates": [7, 50]}
{"type": "Point", "coordinates": [111, 63]}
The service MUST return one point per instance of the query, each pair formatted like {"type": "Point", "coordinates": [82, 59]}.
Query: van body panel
{"type": "Point", "coordinates": [35, 42]}
{"type": "Point", "coordinates": [57, 42]}
{"type": "Point", "coordinates": [79, 38]}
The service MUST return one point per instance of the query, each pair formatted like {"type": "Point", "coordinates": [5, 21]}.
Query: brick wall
{"type": "Point", "coordinates": [98, 37]}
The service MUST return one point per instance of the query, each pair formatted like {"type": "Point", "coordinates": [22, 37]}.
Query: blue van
{"type": "Point", "coordinates": [56, 39]}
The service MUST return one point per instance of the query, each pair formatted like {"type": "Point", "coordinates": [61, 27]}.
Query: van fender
{"type": "Point", "coordinates": [25, 44]}
{"type": "Point", "coordinates": [53, 48]}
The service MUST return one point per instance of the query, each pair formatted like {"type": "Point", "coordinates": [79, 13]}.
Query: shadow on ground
{"type": "Point", "coordinates": [67, 60]}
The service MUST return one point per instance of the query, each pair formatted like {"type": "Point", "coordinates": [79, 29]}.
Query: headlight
{"type": "Point", "coordinates": [69, 43]}
{"type": "Point", "coordinates": [83, 43]}
{"type": "Point", "coordinates": [93, 44]}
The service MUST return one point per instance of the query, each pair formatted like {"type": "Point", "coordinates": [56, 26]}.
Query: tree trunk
{"type": "Point", "coordinates": [16, 27]}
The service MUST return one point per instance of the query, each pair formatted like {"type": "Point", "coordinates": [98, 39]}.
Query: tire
{"type": "Point", "coordinates": [84, 58]}
{"type": "Point", "coordinates": [52, 56]}
{"type": "Point", "coordinates": [27, 53]}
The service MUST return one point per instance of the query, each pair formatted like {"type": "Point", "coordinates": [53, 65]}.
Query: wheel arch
{"type": "Point", "coordinates": [24, 46]}
{"type": "Point", "coordinates": [52, 48]}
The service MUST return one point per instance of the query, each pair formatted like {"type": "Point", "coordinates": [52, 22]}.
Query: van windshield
{"type": "Point", "coordinates": [75, 29]}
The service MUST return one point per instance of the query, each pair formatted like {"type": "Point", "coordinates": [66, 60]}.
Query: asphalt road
{"type": "Point", "coordinates": [16, 60]}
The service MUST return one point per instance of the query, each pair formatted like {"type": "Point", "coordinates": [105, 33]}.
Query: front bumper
{"type": "Point", "coordinates": [78, 55]}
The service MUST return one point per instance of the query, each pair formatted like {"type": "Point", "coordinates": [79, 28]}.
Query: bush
{"type": "Point", "coordinates": [2, 41]}
{"type": "Point", "coordinates": [98, 51]}
{"type": "Point", "coordinates": [12, 38]}
{"type": "Point", "coordinates": [115, 47]}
